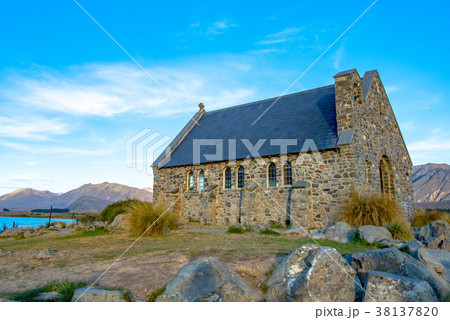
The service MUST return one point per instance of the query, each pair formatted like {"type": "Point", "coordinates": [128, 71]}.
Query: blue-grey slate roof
{"type": "Point", "coordinates": [304, 115]}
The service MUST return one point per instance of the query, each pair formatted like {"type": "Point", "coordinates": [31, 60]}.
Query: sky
{"type": "Point", "coordinates": [74, 91]}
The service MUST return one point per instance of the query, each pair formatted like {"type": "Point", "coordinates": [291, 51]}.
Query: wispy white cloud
{"type": "Point", "coordinates": [220, 27]}
{"type": "Point", "coordinates": [58, 150]}
{"type": "Point", "coordinates": [391, 88]}
{"type": "Point", "coordinates": [337, 58]}
{"type": "Point", "coordinates": [433, 148]}
{"type": "Point", "coordinates": [110, 89]}
{"type": "Point", "coordinates": [35, 128]}
{"type": "Point", "coordinates": [287, 35]}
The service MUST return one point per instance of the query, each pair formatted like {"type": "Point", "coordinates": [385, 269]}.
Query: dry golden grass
{"type": "Point", "coordinates": [401, 230]}
{"type": "Point", "coordinates": [423, 217]}
{"type": "Point", "coordinates": [370, 209]}
{"type": "Point", "coordinates": [149, 219]}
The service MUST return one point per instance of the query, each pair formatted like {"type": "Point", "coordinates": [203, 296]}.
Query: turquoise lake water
{"type": "Point", "coordinates": [27, 222]}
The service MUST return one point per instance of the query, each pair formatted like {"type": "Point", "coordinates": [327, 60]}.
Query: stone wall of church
{"type": "Point", "coordinates": [326, 176]}
{"type": "Point", "coordinates": [377, 136]}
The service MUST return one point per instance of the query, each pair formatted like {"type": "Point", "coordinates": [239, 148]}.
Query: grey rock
{"type": "Point", "coordinates": [120, 222]}
{"type": "Point", "coordinates": [386, 260]}
{"type": "Point", "coordinates": [29, 234]}
{"type": "Point", "coordinates": [388, 287]}
{"type": "Point", "coordinates": [12, 232]}
{"type": "Point", "coordinates": [427, 259]}
{"type": "Point", "coordinates": [434, 234]}
{"type": "Point", "coordinates": [313, 273]}
{"type": "Point", "coordinates": [392, 243]}
{"type": "Point", "coordinates": [100, 224]}
{"type": "Point", "coordinates": [445, 245]}
{"type": "Point", "coordinates": [372, 233]}
{"type": "Point", "coordinates": [97, 295]}
{"type": "Point", "coordinates": [391, 260]}
{"type": "Point", "coordinates": [340, 232]}
{"type": "Point", "coordinates": [206, 279]}
{"type": "Point", "coordinates": [48, 296]}
{"type": "Point", "coordinates": [45, 253]}
{"type": "Point", "coordinates": [260, 227]}
{"type": "Point", "coordinates": [412, 246]}
{"type": "Point", "coordinates": [299, 230]}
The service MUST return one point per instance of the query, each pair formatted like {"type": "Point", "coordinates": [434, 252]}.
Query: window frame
{"type": "Point", "coordinates": [201, 180]}
{"type": "Point", "coordinates": [227, 179]}
{"type": "Point", "coordinates": [287, 166]}
{"type": "Point", "coordinates": [240, 171]}
{"type": "Point", "coordinates": [271, 176]}
{"type": "Point", "coordinates": [190, 184]}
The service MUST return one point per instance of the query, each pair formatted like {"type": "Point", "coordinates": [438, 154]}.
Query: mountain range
{"type": "Point", "coordinates": [87, 197]}
{"type": "Point", "coordinates": [431, 184]}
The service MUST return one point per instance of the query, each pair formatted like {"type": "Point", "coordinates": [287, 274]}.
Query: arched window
{"type": "Point", "coordinates": [386, 177]}
{"type": "Point", "coordinates": [288, 173]}
{"type": "Point", "coordinates": [271, 175]}
{"type": "Point", "coordinates": [241, 177]}
{"type": "Point", "coordinates": [190, 180]}
{"type": "Point", "coordinates": [227, 178]}
{"type": "Point", "coordinates": [368, 174]}
{"type": "Point", "coordinates": [201, 180]}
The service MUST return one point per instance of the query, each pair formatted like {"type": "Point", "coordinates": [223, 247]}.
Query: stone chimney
{"type": "Point", "coordinates": [349, 96]}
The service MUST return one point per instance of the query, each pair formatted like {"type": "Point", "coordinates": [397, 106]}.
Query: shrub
{"type": "Point", "coordinates": [147, 219]}
{"type": "Point", "coordinates": [269, 232]}
{"type": "Point", "coordinates": [423, 217]}
{"type": "Point", "coordinates": [401, 230]}
{"type": "Point", "coordinates": [155, 294]}
{"type": "Point", "coordinates": [370, 209]}
{"type": "Point", "coordinates": [234, 229]}
{"type": "Point", "coordinates": [89, 218]}
{"type": "Point", "coordinates": [113, 210]}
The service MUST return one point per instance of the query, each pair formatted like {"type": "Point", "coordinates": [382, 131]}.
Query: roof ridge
{"type": "Point", "coordinates": [264, 100]}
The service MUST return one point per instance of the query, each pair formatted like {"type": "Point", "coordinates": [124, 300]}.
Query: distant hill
{"type": "Point", "coordinates": [431, 183]}
{"type": "Point", "coordinates": [22, 198]}
{"type": "Point", "coordinates": [86, 197]}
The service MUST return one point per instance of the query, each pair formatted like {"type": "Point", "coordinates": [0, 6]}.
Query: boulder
{"type": "Point", "coordinates": [97, 295]}
{"type": "Point", "coordinates": [387, 260]}
{"type": "Point", "coordinates": [392, 243]}
{"type": "Point", "coordinates": [29, 234]}
{"type": "Point", "coordinates": [100, 224]}
{"type": "Point", "coordinates": [12, 232]}
{"type": "Point", "coordinates": [120, 222]}
{"type": "Point", "coordinates": [427, 259]}
{"type": "Point", "coordinates": [299, 230]}
{"type": "Point", "coordinates": [391, 260]}
{"type": "Point", "coordinates": [260, 227]}
{"type": "Point", "coordinates": [372, 233]}
{"type": "Point", "coordinates": [206, 279]}
{"type": "Point", "coordinates": [445, 245]}
{"type": "Point", "coordinates": [48, 296]}
{"type": "Point", "coordinates": [388, 287]}
{"type": "Point", "coordinates": [340, 232]}
{"type": "Point", "coordinates": [45, 253]}
{"type": "Point", "coordinates": [434, 234]}
{"type": "Point", "coordinates": [412, 246]}
{"type": "Point", "coordinates": [313, 273]}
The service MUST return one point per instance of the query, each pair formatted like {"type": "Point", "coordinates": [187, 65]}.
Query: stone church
{"type": "Point", "coordinates": [289, 160]}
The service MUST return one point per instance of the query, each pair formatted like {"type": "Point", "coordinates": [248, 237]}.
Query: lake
{"type": "Point", "coordinates": [27, 222]}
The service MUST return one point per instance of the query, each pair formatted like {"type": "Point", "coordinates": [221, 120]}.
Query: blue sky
{"type": "Point", "coordinates": [70, 98]}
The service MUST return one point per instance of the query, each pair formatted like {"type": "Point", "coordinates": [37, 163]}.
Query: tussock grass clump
{"type": "Point", "coordinates": [113, 210]}
{"type": "Point", "coordinates": [401, 230]}
{"type": "Point", "coordinates": [235, 229]}
{"type": "Point", "coordinates": [148, 219]}
{"type": "Point", "coordinates": [155, 294]}
{"type": "Point", "coordinates": [269, 232]}
{"type": "Point", "coordinates": [423, 217]}
{"type": "Point", "coordinates": [65, 288]}
{"type": "Point", "coordinates": [370, 209]}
